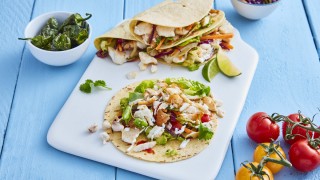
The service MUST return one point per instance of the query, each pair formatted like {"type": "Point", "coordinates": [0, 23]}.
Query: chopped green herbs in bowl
{"type": "Point", "coordinates": [58, 38]}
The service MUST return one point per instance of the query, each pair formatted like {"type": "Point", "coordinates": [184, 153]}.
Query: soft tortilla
{"type": "Point", "coordinates": [120, 32]}
{"type": "Point", "coordinates": [178, 14]}
{"type": "Point", "coordinates": [112, 111]}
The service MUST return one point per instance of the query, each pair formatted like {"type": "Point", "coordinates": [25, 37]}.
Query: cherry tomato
{"type": "Point", "coordinates": [260, 152]}
{"type": "Point", "coordinates": [245, 174]}
{"type": "Point", "coordinates": [299, 131]}
{"type": "Point", "coordinates": [260, 128]}
{"type": "Point", "coordinates": [205, 118]}
{"type": "Point", "coordinates": [303, 157]}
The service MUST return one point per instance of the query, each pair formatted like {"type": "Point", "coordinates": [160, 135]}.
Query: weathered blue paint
{"type": "Point", "coordinates": [12, 26]}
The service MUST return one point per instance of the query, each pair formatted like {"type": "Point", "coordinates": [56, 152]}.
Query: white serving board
{"type": "Point", "coordinates": [69, 132]}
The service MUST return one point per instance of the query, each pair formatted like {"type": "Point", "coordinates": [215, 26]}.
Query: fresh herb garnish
{"type": "Point", "coordinates": [87, 86]}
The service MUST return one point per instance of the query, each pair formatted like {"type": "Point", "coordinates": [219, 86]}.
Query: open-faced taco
{"type": "Point", "coordinates": [184, 32]}
{"type": "Point", "coordinates": [119, 44]}
{"type": "Point", "coordinates": [162, 120]}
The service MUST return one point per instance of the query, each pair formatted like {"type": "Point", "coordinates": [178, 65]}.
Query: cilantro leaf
{"type": "Point", "coordinates": [87, 86]}
{"type": "Point", "coordinates": [100, 83]}
{"type": "Point", "coordinates": [89, 81]}
{"type": "Point", "coordinates": [204, 132]}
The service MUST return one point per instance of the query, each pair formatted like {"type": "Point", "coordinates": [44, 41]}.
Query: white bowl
{"type": "Point", "coordinates": [54, 58]}
{"type": "Point", "coordinates": [254, 11]}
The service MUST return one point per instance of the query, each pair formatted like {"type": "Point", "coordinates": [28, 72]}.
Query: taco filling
{"type": "Point", "coordinates": [159, 37]}
{"type": "Point", "coordinates": [159, 112]}
{"type": "Point", "coordinates": [120, 50]}
{"type": "Point", "coordinates": [189, 46]}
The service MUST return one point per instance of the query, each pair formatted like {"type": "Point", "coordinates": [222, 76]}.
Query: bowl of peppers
{"type": "Point", "coordinates": [58, 38]}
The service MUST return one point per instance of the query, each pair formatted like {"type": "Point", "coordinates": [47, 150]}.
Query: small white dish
{"type": "Point", "coordinates": [54, 58]}
{"type": "Point", "coordinates": [254, 11]}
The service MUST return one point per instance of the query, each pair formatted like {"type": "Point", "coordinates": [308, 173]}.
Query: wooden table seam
{"type": "Point", "coordinates": [311, 26]}
{"type": "Point", "coordinates": [15, 87]}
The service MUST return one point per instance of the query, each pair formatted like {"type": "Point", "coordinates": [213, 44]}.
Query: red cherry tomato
{"type": "Point", "coordinates": [299, 131]}
{"type": "Point", "coordinates": [303, 157]}
{"type": "Point", "coordinates": [260, 128]}
{"type": "Point", "coordinates": [205, 118]}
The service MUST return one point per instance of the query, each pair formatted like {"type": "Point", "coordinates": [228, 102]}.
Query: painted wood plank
{"type": "Point", "coordinates": [40, 93]}
{"type": "Point", "coordinates": [132, 8]}
{"type": "Point", "coordinates": [287, 77]}
{"type": "Point", "coordinates": [14, 17]}
{"type": "Point", "coordinates": [313, 9]}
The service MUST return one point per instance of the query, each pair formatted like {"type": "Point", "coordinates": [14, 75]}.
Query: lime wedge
{"type": "Point", "coordinates": [226, 66]}
{"type": "Point", "coordinates": [210, 70]}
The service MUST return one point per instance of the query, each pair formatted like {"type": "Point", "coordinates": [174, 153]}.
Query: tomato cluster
{"type": "Point", "coordinates": [297, 130]}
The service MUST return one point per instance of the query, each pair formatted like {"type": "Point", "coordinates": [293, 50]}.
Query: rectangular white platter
{"type": "Point", "coordinates": [69, 132]}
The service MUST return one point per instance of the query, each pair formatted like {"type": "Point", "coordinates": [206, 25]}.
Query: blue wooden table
{"type": "Point", "coordinates": [31, 93]}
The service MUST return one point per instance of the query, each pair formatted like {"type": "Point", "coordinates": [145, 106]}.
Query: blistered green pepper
{"type": "Point", "coordinates": [48, 31]}
{"type": "Point", "coordinates": [53, 23]}
{"type": "Point", "coordinates": [39, 41]}
{"type": "Point", "coordinates": [75, 19]}
{"type": "Point", "coordinates": [51, 27]}
{"type": "Point", "coordinates": [77, 34]}
{"type": "Point", "coordinates": [61, 42]}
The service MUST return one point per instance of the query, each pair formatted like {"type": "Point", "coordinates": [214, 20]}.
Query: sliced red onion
{"type": "Point", "coordinates": [152, 33]}
{"type": "Point", "coordinates": [173, 117]}
{"type": "Point", "coordinates": [163, 53]}
{"type": "Point", "coordinates": [101, 53]}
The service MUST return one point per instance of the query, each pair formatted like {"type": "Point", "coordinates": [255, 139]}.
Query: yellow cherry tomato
{"type": "Point", "coordinates": [260, 152]}
{"type": "Point", "coordinates": [245, 174]}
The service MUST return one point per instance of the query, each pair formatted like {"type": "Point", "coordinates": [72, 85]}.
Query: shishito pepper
{"type": "Point", "coordinates": [40, 41]}
{"type": "Point", "coordinates": [73, 32]}
{"type": "Point", "coordinates": [48, 31]}
{"type": "Point", "coordinates": [53, 23]}
{"type": "Point", "coordinates": [76, 34]}
{"type": "Point", "coordinates": [61, 42]}
{"type": "Point", "coordinates": [51, 27]}
{"type": "Point", "coordinates": [75, 19]}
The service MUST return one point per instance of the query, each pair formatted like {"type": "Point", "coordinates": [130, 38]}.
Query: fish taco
{"type": "Point", "coordinates": [119, 44]}
{"type": "Point", "coordinates": [162, 120]}
{"type": "Point", "coordinates": [175, 35]}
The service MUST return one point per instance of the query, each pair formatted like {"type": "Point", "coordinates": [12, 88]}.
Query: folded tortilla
{"type": "Point", "coordinates": [193, 148]}
{"type": "Point", "coordinates": [119, 32]}
{"type": "Point", "coordinates": [178, 14]}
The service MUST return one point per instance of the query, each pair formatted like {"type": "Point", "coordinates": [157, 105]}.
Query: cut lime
{"type": "Point", "coordinates": [226, 66]}
{"type": "Point", "coordinates": [210, 70]}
